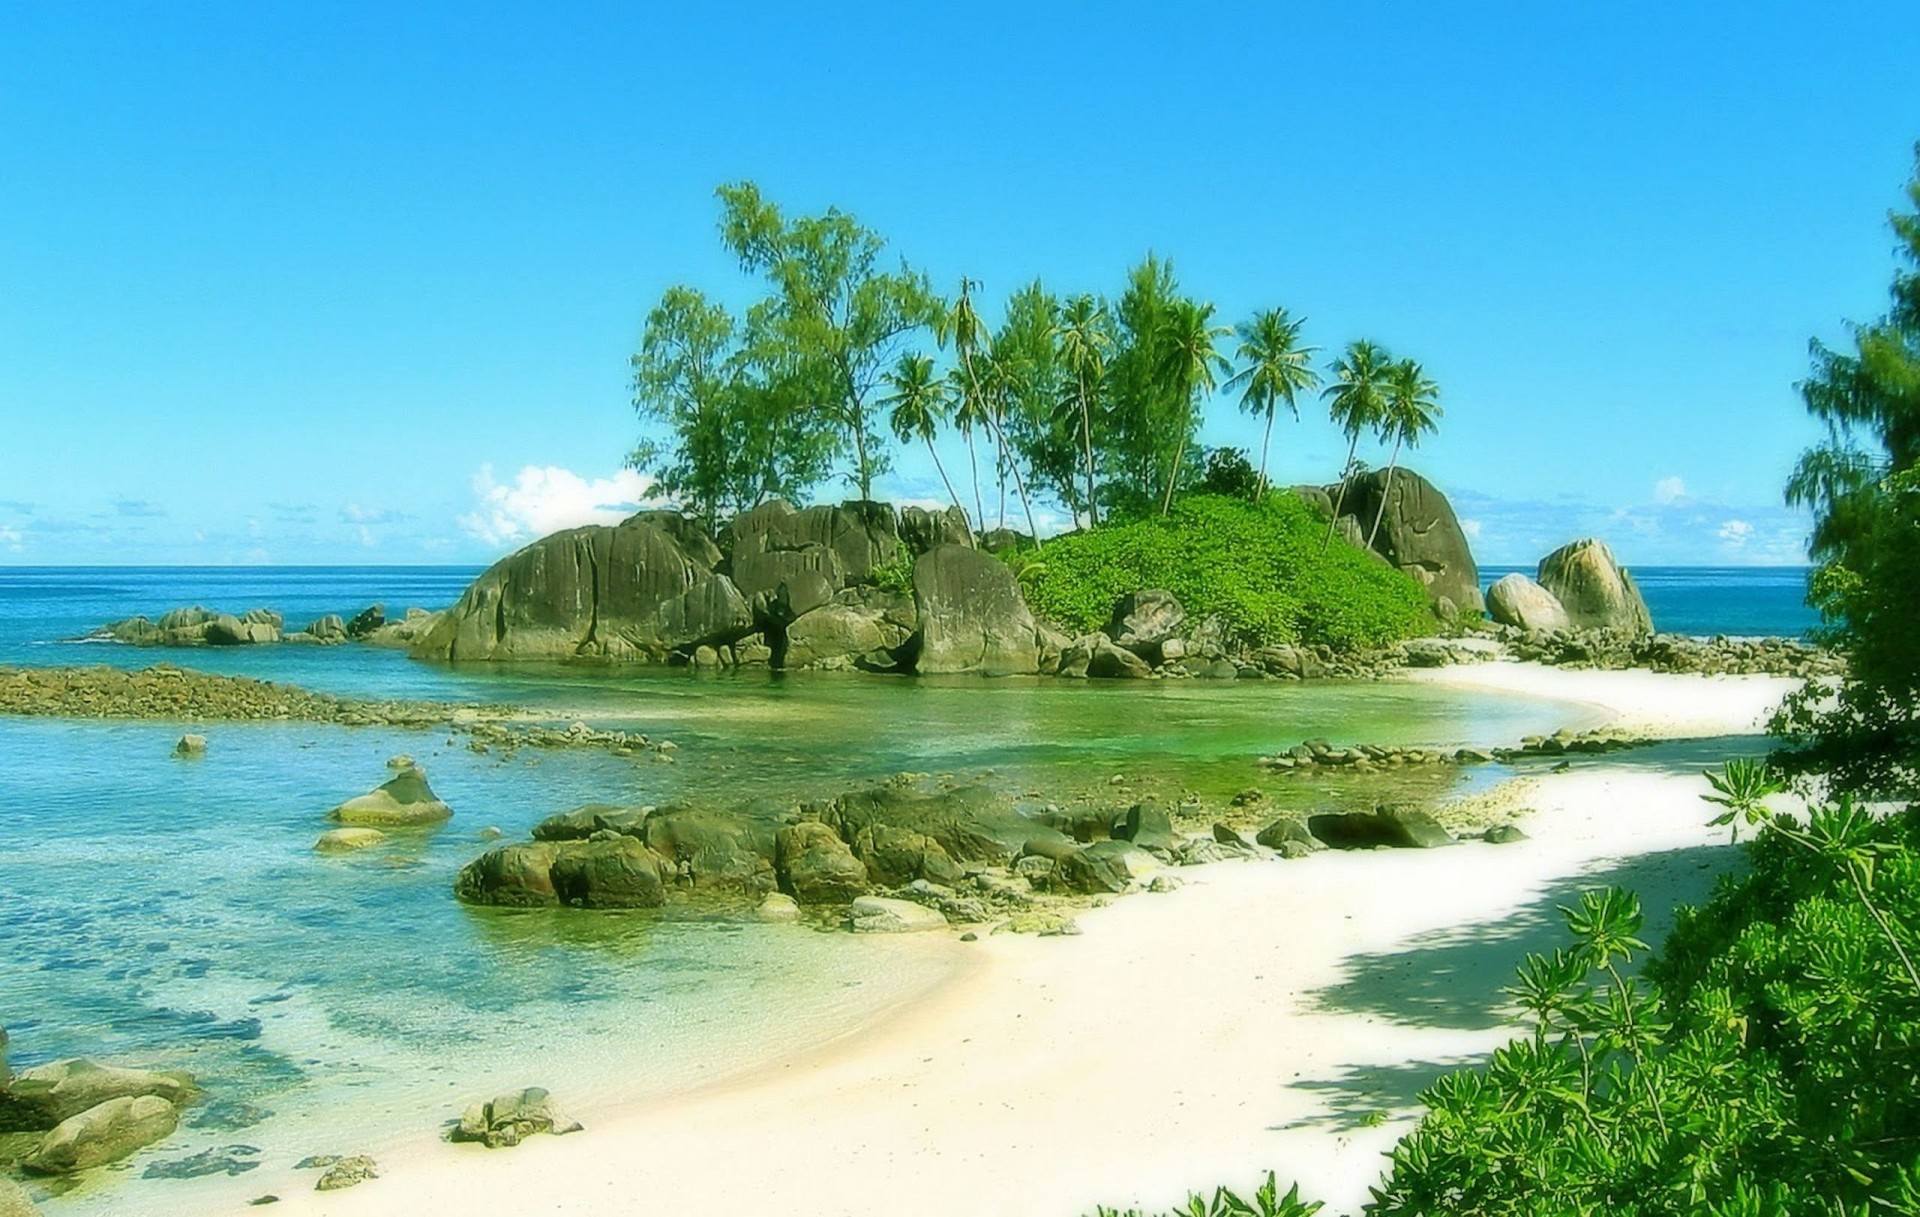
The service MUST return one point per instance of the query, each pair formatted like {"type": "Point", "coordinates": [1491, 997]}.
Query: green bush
{"type": "Point", "coordinates": [1264, 568]}
{"type": "Point", "coordinates": [1774, 1069]}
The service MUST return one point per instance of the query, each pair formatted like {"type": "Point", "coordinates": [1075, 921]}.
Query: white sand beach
{"type": "Point", "coordinates": [1266, 1015]}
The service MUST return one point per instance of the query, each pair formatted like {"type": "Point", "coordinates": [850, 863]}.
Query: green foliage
{"type": "Point", "coordinates": [1266, 1202]}
{"type": "Point", "coordinates": [1774, 1069]}
{"type": "Point", "coordinates": [1863, 485]}
{"type": "Point", "coordinates": [894, 576]}
{"type": "Point", "coordinates": [1229, 472]}
{"type": "Point", "coordinates": [1260, 567]}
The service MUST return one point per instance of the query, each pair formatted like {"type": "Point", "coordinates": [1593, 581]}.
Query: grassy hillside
{"type": "Point", "coordinates": [1264, 568]}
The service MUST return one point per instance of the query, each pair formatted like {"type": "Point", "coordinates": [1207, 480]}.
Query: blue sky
{"type": "Point", "coordinates": [337, 283]}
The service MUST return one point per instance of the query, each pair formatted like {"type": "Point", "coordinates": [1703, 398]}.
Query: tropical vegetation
{"type": "Point", "coordinates": [1089, 405]}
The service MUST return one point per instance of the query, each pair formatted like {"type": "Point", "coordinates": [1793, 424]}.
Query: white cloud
{"type": "Point", "coordinates": [1669, 490]}
{"type": "Point", "coordinates": [353, 513]}
{"type": "Point", "coordinates": [1736, 533]}
{"type": "Point", "coordinates": [12, 538]}
{"type": "Point", "coordinates": [544, 499]}
{"type": "Point", "coordinates": [1471, 528]}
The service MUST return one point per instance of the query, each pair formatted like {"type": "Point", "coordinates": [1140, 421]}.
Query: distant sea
{"type": "Point", "coordinates": [1742, 601]}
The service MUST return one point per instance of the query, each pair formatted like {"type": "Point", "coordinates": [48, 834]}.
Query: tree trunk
{"type": "Point", "coordinates": [973, 459]}
{"type": "Point", "coordinates": [1260, 491]}
{"type": "Point", "coordinates": [1173, 477]}
{"type": "Point", "coordinates": [943, 474]}
{"type": "Point", "coordinates": [1346, 471]}
{"type": "Point", "coordinates": [1385, 494]}
{"type": "Point", "coordinates": [1020, 483]}
{"type": "Point", "coordinates": [1086, 439]}
{"type": "Point", "coordinates": [860, 460]}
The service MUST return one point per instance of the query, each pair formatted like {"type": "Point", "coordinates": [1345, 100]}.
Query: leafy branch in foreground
{"type": "Point", "coordinates": [1267, 1202]}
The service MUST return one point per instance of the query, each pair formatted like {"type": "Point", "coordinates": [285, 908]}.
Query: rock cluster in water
{"type": "Point", "coordinates": [202, 627]}
{"type": "Point", "coordinates": [168, 692]}
{"type": "Point", "coordinates": [87, 1115]}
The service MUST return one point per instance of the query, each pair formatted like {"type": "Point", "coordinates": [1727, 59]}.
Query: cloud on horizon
{"type": "Point", "coordinates": [547, 498]}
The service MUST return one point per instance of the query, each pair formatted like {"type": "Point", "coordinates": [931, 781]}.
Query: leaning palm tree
{"type": "Point", "coordinates": [1275, 368]}
{"type": "Point", "coordinates": [1193, 360]}
{"type": "Point", "coordinates": [969, 413]}
{"type": "Point", "coordinates": [1084, 344]}
{"type": "Point", "coordinates": [918, 402]}
{"type": "Point", "coordinates": [1356, 400]}
{"type": "Point", "coordinates": [1412, 410]}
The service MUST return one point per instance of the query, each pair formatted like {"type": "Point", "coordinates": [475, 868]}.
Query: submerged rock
{"type": "Point", "coordinates": [347, 840]}
{"type": "Point", "coordinates": [230, 1160]}
{"type": "Point", "coordinates": [507, 1119]}
{"type": "Point", "coordinates": [403, 801]}
{"type": "Point", "coordinates": [191, 745]}
{"type": "Point", "coordinates": [104, 1133]}
{"type": "Point", "coordinates": [607, 872]}
{"type": "Point", "coordinates": [344, 1172]}
{"type": "Point", "coordinates": [14, 1201]}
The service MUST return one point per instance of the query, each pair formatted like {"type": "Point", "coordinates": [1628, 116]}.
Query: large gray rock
{"type": "Point", "coordinates": [510, 1118]}
{"type": "Point", "coordinates": [713, 850]}
{"type": "Point", "coordinates": [611, 872]}
{"type": "Point", "coordinates": [895, 857]}
{"type": "Point", "coordinates": [816, 865]}
{"type": "Point", "coordinates": [843, 634]}
{"type": "Point", "coordinates": [1393, 825]}
{"type": "Point", "coordinates": [971, 824]}
{"type": "Point", "coordinates": [1105, 866]}
{"type": "Point", "coordinates": [403, 801]}
{"type": "Point", "coordinates": [783, 584]}
{"type": "Point", "coordinates": [257, 626]}
{"type": "Point", "coordinates": [922, 530]}
{"type": "Point", "coordinates": [104, 1133]}
{"type": "Point", "coordinates": [1144, 621]}
{"type": "Point", "coordinates": [972, 616]}
{"type": "Point", "coordinates": [710, 613]}
{"type": "Point", "coordinates": [1108, 661]}
{"type": "Point", "coordinates": [885, 915]}
{"type": "Point", "coordinates": [1518, 601]}
{"type": "Point", "coordinates": [1595, 589]}
{"type": "Point", "coordinates": [860, 534]}
{"type": "Point", "coordinates": [1419, 533]}
{"type": "Point", "coordinates": [595, 592]}
{"type": "Point", "coordinates": [583, 822]}
{"type": "Point", "coordinates": [45, 1095]}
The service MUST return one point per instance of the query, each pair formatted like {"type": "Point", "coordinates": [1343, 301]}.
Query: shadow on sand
{"type": "Point", "coordinates": [1453, 978]}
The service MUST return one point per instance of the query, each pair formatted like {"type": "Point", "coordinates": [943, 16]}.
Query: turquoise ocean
{"type": "Point", "coordinates": [172, 913]}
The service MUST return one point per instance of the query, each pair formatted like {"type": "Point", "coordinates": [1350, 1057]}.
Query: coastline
{"type": "Point", "coordinates": [1278, 1016]}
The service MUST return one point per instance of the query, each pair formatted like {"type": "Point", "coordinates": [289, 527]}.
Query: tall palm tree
{"type": "Point", "coordinates": [984, 395]}
{"type": "Point", "coordinates": [1356, 400]}
{"type": "Point", "coordinates": [918, 402]}
{"type": "Point", "coordinates": [1084, 344]}
{"type": "Point", "coordinates": [1193, 360]}
{"type": "Point", "coordinates": [969, 413]}
{"type": "Point", "coordinates": [1412, 410]}
{"type": "Point", "coordinates": [1275, 368]}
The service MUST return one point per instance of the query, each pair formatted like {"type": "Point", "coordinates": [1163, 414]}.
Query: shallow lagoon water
{"type": "Point", "coordinates": [169, 912]}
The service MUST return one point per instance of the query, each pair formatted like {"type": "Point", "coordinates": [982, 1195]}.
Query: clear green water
{"type": "Point", "coordinates": [171, 913]}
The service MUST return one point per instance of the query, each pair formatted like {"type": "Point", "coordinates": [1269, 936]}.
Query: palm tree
{"type": "Point", "coordinates": [983, 396]}
{"type": "Point", "coordinates": [1275, 368]}
{"type": "Point", "coordinates": [1355, 401]}
{"type": "Point", "coordinates": [1193, 359]}
{"type": "Point", "coordinates": [969, 412]}
{"type": "Point", "coordinates": [1412, 410]}
{"type": "Point", "coordinates": [1084, 344]}
{"type": "Point", "coordinates": [919, 401]}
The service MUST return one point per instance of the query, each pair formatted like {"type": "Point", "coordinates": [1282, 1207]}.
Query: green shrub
{"type": "Point", "coordinates": [1773, 1070]}
{"type": "Point", "coordinates": [1264, 568]}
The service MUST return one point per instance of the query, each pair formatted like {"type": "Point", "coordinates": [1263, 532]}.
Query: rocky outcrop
{"type": "Point", "coordinates": [971, 824]}
{"type": "Point", "coordinates": [598, 592]}
{"type": "Point", "coordinates": [1395, 826]}
{"type": "Point", "coordinates": [1419, 534]}
{"type": "Point", "coordinates": [922, 530]}
{"type": "Point", "coordinates": [861, 535]}
{"type": "Point", "coordinates": [1595, 589]}
{"type": "Point", "coordinates": [863, 628]}
{"type": "Point", "coordinates": [709, 850]}
{"type": "Point", "coordinates": [1518, 601]}
{"type": "Point", "coordinates": [348, 840]}
{"type": "Point", "coordinates": [403, 801]}
{"type": "Point", "coordinates": [104, 1133]}
{"type": "Point", "coordinates": [1105, 866]}
{"type": "Point", "coordinates": [14, 1201]}
{"type": "Point", "coordinates": [1143, 622]}
{"type": "Point", "coordinates": [609, 871]}
{"type": "Point", "coordinates": [197, 627]}
{"type": "Point", "coordinates": [45, 1095]}
{"type": "Point", "coordinates": [583, 822]}
{"type": "Point", "coordinates": [972, 616]}
{"type": "Point", "coordinates": [508, 1119]}
{"type": "Point", "coordinates": [817, 866]}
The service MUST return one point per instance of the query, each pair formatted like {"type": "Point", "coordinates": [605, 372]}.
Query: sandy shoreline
{"type": "Point", "coordinates": [1266, 1015]}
